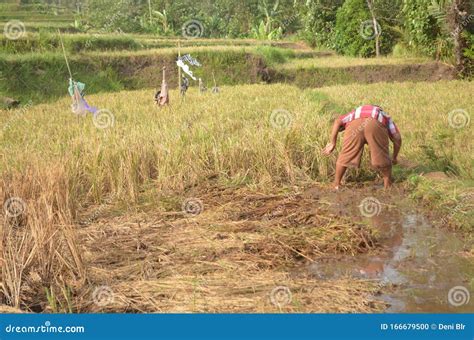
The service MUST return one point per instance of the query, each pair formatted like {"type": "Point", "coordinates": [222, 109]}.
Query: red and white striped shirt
{"type": "Point", "coordinates": [370, 111]}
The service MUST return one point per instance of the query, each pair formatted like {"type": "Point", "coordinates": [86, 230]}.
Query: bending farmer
{"type": "Point", "coordinates": [367, 124]}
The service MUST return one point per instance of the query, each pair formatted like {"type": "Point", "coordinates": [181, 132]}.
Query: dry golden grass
{"type": "Point", "coordinates": [336, 61]}
{"type": "Point", "coordinates": [227, 259]}
{"type": "Point", "coordinates": [59, 165]}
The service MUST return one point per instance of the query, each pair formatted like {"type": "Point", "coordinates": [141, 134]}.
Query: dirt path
{"type": "Point", "coordinates": [305, 250]}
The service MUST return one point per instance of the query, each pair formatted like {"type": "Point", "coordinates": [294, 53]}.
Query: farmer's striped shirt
{"type": "Point", "coordinates": [370, 111]}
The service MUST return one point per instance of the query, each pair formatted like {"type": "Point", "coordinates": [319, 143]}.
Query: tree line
{"type": "Point", "coordinates": [442, 29]}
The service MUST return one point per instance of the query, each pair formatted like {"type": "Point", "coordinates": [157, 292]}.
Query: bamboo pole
{"type": "Point", "coordinates": [179, 68]}
{"type": "Point", "coordinates": [64, 53]}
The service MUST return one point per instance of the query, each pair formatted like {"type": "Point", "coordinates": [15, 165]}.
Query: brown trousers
{"type": "Point", "coordinates": [365, 131]}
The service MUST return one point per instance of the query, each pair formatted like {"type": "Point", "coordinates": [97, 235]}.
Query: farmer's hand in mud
{"type": "Point", "coordinates": [329, 148]}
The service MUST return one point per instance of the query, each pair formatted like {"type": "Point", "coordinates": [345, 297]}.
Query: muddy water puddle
{"type": "Point", "coordinates": [417, 264]}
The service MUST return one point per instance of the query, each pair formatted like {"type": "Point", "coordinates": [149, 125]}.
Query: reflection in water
{"type": "Point", "coordinates": [421, 262]}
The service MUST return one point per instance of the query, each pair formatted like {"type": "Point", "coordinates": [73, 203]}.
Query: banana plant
{"type": "Point", "coordinates": [164, 20]}
{"type": "Point", "coordinates": [270, 12]}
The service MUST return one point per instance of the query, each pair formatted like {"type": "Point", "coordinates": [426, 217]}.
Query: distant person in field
{"type": "Point", "coordinates": [367, 124]}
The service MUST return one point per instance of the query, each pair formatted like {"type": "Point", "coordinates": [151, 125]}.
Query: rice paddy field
{"type": "Point", "coordinates": [222, 202]}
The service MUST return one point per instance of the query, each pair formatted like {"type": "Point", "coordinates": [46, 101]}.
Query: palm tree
{"type": "Point", "coordinates": [453, 16]}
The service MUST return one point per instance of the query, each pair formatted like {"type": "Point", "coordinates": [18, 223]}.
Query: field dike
{"type": "Point", "coordinates": [369, 74]}
{"type": "Point", "coordinates": [42, 78]}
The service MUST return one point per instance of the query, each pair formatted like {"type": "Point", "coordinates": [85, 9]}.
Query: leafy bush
{"type": "Point", "coordinates": [469, 52]}
{"type": "Point", "coordinates": [421, 27]}
{"type": "Point", "coordinates": [113, 16]}
{"type": "Point", "coordinates": [319, 21]}
{"type": "Point", "coordinates": [353, 34]}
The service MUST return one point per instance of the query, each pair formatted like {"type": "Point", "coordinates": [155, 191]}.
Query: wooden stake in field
{"type": "Point", "coordinates": [179, 70]}
{"type": "Point", "coordinates": [215, 89]}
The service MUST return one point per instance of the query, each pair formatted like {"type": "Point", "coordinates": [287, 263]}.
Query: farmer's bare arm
{"type": "Point", "coordinates": [332, 144]}
{"type": "Point", "coordinates": [397, 144]}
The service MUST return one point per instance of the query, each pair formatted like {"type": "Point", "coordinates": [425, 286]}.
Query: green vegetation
{"type": "Point", "coordinates": [420, 28]}
{"type": "Point", "coordinates": [355, 35]}
{"type": "Point", "coordinates": [249, 151]}
{"type": "Point", "coordinates": [43, 77]}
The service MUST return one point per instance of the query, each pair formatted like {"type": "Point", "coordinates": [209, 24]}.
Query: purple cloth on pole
{"type": "Point", "coordinates": [89, 108]}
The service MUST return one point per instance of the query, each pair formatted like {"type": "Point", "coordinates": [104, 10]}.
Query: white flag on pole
{"type": "Point", "coordinates": [185, 68]}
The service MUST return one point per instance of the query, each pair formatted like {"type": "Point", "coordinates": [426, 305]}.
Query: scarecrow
{"type": "Point", "coordinates": [79, 104]}
{"type": "Point", "coordinates": [184, 85]}
{"type": "Point", "coordinates": [162, 97]}
{"type": "Point", "coordinates": [76, 90]}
